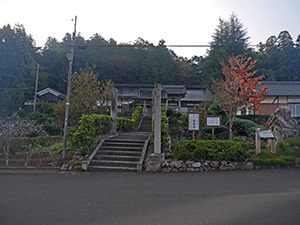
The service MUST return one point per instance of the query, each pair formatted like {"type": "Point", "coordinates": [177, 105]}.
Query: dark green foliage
{"type": "Point", "coordinates": [17, 66]}
{"type": "Point", "coordinates": [45, 108]}
{"type": "Point", "coordinates": [290, 146]}
{"type": "Point", "coordinates": [212, 150]}
{"type": "Point", "coordinates": [230, 39]}
{"type": "Point", "coordinates": [266, 158]}
{"type": "Point", "coordinates": [164, 127]}
{"type": "Point", "coordinates": [52, 129]}
{"type": "Point", "coordinates": [244, 127]}
{"type": "Point", "coordinates": [127, 125]}
{"type": "Point", "coordinates": [259, 119]}
{"type": "Point", "coordinates": [91, 126]}
{"type": "Point", "coordinates": [22, 113]}
{"type": "Point", "coordinates": [32, 134]}
{"type": "Point", "coordinates": [278, 58]}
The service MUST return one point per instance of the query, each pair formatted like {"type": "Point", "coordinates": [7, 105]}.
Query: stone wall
{"type": "Point", "coordinates": [206, 166]}
{"type": "Point", "coordinates": [19, 127]}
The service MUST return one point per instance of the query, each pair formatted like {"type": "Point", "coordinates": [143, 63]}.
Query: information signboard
{"type": "Point", "coordinates": [213, 121]}
{"type": "Point", "coordinates": [194, 121]}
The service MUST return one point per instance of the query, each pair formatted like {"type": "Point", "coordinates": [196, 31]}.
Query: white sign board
{"type": "Point", "coordinates": [213, 121]}
{"type": "Point", "coordinates": [194, 121]}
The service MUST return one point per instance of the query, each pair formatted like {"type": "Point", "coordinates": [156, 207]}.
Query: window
{"type": "Point", "coordinates": [295, 110]}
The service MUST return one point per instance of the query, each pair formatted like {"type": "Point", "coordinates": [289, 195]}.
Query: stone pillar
{"type": "Point", "coordinates": [257, 141]}
{"type": "Point", "coordinates": [156, 116]}
{"type": "Point", "coordinates": [114, 109]}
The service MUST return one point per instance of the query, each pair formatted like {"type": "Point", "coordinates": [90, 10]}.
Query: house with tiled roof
{"type": "Point", "coordinates": [285, 94]}
{"type": "Point", "coordinates": [178, 97]}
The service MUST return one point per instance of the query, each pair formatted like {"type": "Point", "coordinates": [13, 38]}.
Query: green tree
{"type": "Point", "coordinates": [17, 68]}
{"type": "Point", "coordinates": [88, 96]}
{"type": "Point", "coordinates": [230, 39]}
{"type": "Point", "coordinates": [278, 58]}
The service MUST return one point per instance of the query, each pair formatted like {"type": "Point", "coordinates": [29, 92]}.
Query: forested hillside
{"type": "Point", "coordinates": [138, 62]}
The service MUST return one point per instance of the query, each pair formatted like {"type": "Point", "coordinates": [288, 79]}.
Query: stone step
{"type": "Point", "coordinates": [121, 148]}
{"type": "Point", "coordinates": [117, 157]}
{"type": "Point", "coordinates": [113, 163]}
{"type": "Point", "coordinates": [126, 140]}
{"type": "Point", "coordinates": [122, 153]}
{"type": "Point", "coordinates": [112, 168]}
{"type": "Point", "coordinates": [122, 143]}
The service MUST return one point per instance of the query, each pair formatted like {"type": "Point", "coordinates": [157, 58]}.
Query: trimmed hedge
{"type": "Point", "coordinates": [212, 150]}
{"type": "Point", "coordinates": [90, 127]}
{"type": "Point", "coordinates": [126, 125]}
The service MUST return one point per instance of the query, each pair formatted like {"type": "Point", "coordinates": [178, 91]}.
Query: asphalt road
{"type": "Point", "coordinates": [240, 197]}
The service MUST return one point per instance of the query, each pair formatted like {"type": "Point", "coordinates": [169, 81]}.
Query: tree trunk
{"type": "Point", "coordinates": [230, 125]}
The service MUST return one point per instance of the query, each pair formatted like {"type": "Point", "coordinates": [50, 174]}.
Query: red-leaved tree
{"type": "Point", "coordinates": [238, 88]}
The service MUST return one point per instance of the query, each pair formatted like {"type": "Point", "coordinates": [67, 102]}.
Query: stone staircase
{"type": "Point", "coordinates": [146, 124]}
{"type": "Point", "coordinates": [124, 152]}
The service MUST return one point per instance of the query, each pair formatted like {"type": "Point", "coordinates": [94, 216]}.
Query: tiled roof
{"type": "Point", "coordinates": [281, 88]}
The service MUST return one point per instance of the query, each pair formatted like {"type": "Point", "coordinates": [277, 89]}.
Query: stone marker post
{"type": "Point", "coordinates": [154, 161]}
{"type": "Point", "coordinates": [114, 109]}
{"type": "Point", "coordinates": [156, 116]}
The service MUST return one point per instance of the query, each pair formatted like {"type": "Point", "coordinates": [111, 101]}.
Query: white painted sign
{"type": "Point", "coordinates": [194, 121]}
{"type": "Point", "coordinates": [213, 121]}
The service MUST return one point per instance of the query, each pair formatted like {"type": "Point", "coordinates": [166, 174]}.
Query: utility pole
{"type": "Point", "coordinates": [70, 58]}
{"type": "Point", "coordinates": [36, 86]}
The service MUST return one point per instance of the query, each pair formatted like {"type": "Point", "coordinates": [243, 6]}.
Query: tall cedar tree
{"type": "Point", "coordinates": [238, 88]}
{"type": "Point", "coordinates": [230, 39]}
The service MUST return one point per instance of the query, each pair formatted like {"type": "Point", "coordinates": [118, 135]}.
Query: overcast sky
{"type": "Point", "coordinates": [178, 22]}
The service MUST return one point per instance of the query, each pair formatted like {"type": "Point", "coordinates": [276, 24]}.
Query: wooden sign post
{"type": "Point", "coordinates": [193, 122]}
{"type": "Point", "coordinates": [213, 122]}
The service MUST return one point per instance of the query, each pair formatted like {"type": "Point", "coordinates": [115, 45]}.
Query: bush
{"type": "Point", "coordinates": [266, 158]}
{"type": "Point", "coordinates": [126, 125]}
{"type": "Point", "coordinates": [212, 150]}
{"type": "Point", "coordinates": [259, 119]}
{"type": "Point", "coordinates": [290, 146]}
{"type": "Point", "coordinates": [52, 129]}
{"type": "Point", "coordinates": [90, 127]}
{"type": "Point", "coordinates": [244, 127]}
{"type": "Point", "coordinates": [22, 113]}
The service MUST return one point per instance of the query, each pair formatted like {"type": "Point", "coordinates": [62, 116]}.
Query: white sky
{"type": "Point", "coordinates": [178, 22]}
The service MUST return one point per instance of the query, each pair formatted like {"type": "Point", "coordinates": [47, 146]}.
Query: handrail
{"type": "Point", "coordinates": [85, 164]}
{"type": "Point", "coordinates": [140, 123]}
{"type": "Point", "coordinates": [139, 166]}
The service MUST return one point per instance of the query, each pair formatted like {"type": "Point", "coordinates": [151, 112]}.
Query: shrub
{"type": "Point", "coordinates": [126, 125]}
{"type": "Point", "coordinates": [244, 127]}
{"type": "Point", "coordinates": [290, 146]}
{"type": "Point", "coordinates": [52, 129]}
{"type": "Point", "coordinates": [90, 127]}
{"type": "Point", "coordinates": [212, 150]}
{"type": "Point", "coordinates": [266, 158]}
{"type": "Point", "coordinates": [259, 119]}
{"type": "Point", "coordinates": [22, 113]}
{"type": "Point", "coordinates": [32, 134]}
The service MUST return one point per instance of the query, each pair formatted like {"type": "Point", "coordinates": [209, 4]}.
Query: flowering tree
{"type": "Point", "coordinates": [238, 88]}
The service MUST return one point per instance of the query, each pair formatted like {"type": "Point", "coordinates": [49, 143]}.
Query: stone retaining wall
{"type": "Point", "coordinates": [19, 127]}
{"type": "Point", "coordinates": [204, 165]}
